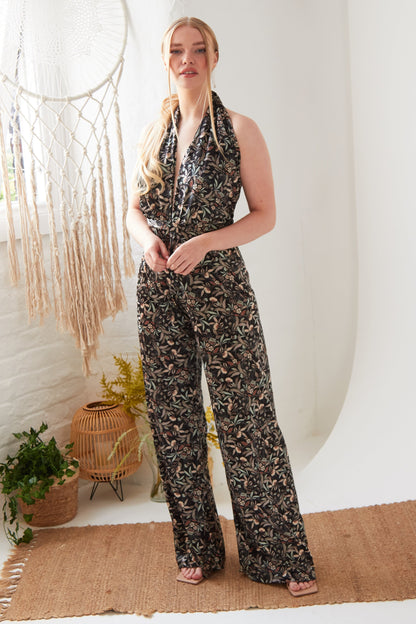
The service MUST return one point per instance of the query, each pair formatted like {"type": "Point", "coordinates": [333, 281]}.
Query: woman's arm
{"type": "Point", "coordinates": [257, 181]}
{"type": "Point", "coordinates": [155, 251]}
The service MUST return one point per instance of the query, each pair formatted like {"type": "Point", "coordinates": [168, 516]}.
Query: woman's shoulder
{"type": "Point", "coordinates": [245, 128]}
{"type": "Point", "coordinates": [241, 122]}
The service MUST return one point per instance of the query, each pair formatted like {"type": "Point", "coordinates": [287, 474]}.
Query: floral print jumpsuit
{"type": "Point", "coordinates": [210, 318]}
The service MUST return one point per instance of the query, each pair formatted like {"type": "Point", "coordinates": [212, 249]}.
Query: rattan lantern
{"type": "Point", "coordinates": [95, 430]}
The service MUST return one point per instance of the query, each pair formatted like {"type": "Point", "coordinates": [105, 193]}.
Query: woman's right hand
{"type": "Point", "coordinates": [155, 251]}
{"type": "Point", "coordinates": [156, 254]}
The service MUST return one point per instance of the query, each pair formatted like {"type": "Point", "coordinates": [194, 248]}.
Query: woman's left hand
{"type": "Point", "coordinates": [185, 257]}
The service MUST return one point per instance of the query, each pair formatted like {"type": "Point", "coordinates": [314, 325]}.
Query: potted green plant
{"type": "Point", "coordinates": [32, 479]}
{"type": "Point", "coordinates": [128, 389]}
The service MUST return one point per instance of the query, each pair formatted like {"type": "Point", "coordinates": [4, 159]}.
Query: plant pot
{"type": "Point", "coordinates": [60, 504]}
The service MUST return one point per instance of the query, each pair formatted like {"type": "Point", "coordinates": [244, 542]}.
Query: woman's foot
{"type": "Point", "coordinates": [302, 589]}
{"type": "Point", "coordinates": [190, 575]}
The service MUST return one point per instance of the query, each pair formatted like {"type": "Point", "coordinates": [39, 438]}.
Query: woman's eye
{"type": "Point", "coordinates": [201, 50]}
{"type": "Point", "coordinates": [175, 51]}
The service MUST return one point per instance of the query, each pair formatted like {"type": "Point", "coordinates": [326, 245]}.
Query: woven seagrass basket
{"type": "Point", "coordinates": [60, 504]}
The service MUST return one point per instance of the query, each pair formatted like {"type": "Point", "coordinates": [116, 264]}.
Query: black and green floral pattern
{"type": "Point", "coordinates": [210, 318]}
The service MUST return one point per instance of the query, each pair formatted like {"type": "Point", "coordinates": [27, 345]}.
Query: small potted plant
{"type": "Point", "coordinates": [40, 482]}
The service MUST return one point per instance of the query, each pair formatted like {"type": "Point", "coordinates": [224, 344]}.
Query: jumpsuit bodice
{"type": "Point", "coordinates": [208, 184]}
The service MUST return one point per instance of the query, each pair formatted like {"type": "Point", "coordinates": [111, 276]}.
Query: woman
{"type": "Point", "coordinates": [196, 307]}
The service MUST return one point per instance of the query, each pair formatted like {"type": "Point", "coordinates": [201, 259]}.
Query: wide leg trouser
{"type": "Point", "coordinates": [210, 318]}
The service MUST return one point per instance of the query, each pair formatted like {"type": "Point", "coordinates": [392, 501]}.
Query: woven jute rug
{"type": "Point", "coordinates": [361, 555]}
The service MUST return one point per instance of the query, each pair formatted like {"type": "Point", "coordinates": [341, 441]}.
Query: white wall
{"type": "Point", "coordinates": [370, 456]}
{"type": "Point", "coordinates": [286, 65]}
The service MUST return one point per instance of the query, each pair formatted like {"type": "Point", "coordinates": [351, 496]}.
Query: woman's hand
{"type": "Point", "coordinates": [155, 251]}
{"type": "Point", "coordinates": [185, 257]}
{"type": "Point", "coordinates": [156, 254]}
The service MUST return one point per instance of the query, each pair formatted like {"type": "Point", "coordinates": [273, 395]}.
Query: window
{"type": "Point", "coordinates": [11, 175]}
{"type": "Point", "coordinates": [28, 161]}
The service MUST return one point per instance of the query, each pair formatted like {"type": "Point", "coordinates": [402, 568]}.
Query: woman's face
{"type": "Point", "coordinates": [188, 60]}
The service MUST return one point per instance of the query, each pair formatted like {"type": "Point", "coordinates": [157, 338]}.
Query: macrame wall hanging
{"type": "Point", "coordinates": [60, 143]}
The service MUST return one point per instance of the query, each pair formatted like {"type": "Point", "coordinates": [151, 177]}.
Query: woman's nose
{"type": "Point", "coordinates": [188, 57]}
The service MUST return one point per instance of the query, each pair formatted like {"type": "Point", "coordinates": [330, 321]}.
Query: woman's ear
{"type": "Point", "coordinates": [215, 60]}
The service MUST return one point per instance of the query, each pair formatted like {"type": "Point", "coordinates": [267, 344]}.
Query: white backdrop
{"type": "Point", "coordinates": [370, 456]}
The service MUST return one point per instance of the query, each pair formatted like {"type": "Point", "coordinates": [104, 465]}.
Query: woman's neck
{"type": "Point", "coordinates": [192, 105]}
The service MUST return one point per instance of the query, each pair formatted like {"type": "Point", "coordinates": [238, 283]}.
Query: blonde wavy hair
{"type": "Point", "coordinates": [148, 171]}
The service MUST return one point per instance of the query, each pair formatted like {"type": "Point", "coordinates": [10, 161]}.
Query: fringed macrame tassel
{"type": "Point", "coordinates": [41, 301]}
{"type": "Point", "coordinates": [97, 264]}
{"type": "Point", "coordinates": [23, 208]}
{"type": "Point", "coordinates": [60, 314]}
{"type": "Point", "coordinates": [119, 297]}
{"type": "Point", "coordinates": [105, 246]}
{"type": "Point", "coordinates": [76, 319]}
{"type": "Point", "coordinates": [11, 241]}
{"type": "Point", "coordinates": [68, 263]}
{"type": "Point", "coordinates": [84, 316]}
{"type": "Point", "coordinates": [92, 314]}
{"type": "Point", "coordinates": [129, 268]}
